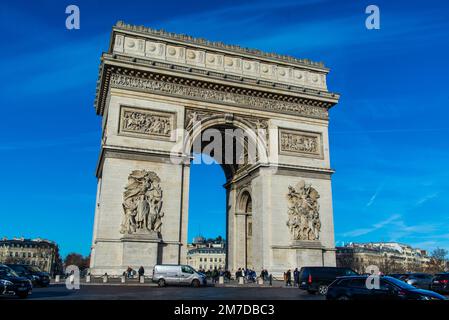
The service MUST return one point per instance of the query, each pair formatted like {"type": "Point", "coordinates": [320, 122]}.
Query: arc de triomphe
{"type": "Point", "coordinates": [154, 90]}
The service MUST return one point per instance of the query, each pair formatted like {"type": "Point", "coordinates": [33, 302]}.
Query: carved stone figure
{"type": "Point", "coordinates": [146, 123]}
{"type": "Point", "coordinates": [303, 212]}
{"type": "Point", "coordinates": [299, 143]}
{"type": "Point", "coordinates": [142, 203]}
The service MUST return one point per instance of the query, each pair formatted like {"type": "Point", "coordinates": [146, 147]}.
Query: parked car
{"type": "Point", "coordinates": [12, 284]}
{"type": "Point", "coordinates": [355, 288]}
{"type": "Point", "coordinates": [419, 280]}
{"type": "Point", "coordinates": [440, 283]}
{"type": "Point", "coordinates": [33, 273]}
{"type": "Point", "coordinates": [317, 279]}
{"type": "Point", "coordinates": [171, 274]}
{"type": "Point", "coordinates": [399, 276]}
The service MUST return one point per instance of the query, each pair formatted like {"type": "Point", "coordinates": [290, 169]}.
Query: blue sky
{"type": "Point", "coordinates": [389, 134]}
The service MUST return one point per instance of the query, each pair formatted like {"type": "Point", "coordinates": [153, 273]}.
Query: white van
{"type": "Point", "coordinates": [174, 274]}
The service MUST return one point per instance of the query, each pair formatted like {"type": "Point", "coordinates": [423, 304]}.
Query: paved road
{"type": "Point", "coordinates": [130, 292]}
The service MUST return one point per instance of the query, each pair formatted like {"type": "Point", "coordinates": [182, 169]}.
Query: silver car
{"type": "Point", "coordinates": [172, 274]}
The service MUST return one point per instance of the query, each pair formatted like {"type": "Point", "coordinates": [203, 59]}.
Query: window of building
{"type": "Point", "coordinates": [201, 259]}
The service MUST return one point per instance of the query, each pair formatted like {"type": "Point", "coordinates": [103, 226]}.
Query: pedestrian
{"type": "Point", "coordinates": [215, 275]}
{"type": "Point", "coordinates": [296, 277]}
{"type": "Point", "coordinates": [129, 271]}
{"type": "Point", "coordinates": [288, 276]}
{"type": "Point", "coordinates": [141, 272]}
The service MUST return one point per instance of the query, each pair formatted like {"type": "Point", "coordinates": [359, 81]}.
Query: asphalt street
{"type": "Point", "coordinates": [139, 292]}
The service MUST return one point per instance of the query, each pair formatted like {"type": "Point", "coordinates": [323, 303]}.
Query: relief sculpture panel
{"type": "Point", "coordinates": [146, 123]}
{"type": "Point", "coordinates": [300, 143]}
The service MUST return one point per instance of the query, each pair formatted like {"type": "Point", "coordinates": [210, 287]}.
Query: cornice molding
{"type": "Point", "coordinates": [136, 80]}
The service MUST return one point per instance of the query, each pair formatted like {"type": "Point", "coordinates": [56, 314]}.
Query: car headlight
{"type": "Point", "coordinates": [6, 282]}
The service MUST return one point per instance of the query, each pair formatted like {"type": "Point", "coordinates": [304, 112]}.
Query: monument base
{"type": "Point", "coordinates": [140, 249]}
{"type": "Point", "coordinates": [301, 253]}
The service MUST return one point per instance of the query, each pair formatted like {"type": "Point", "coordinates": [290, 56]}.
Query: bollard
{"type": "Point", "coordinates": [123, 279]}
{"type": "Point", "coordinates": [57, 278]}
{"type": "Point", "coordinates": [142, 279]}
{"type": "Point", "coordinates": [241, 280]}
{"type": "Point", "coordinates": [260, 280]}
{"type": "Point", "coordinates": [221, 280]}
{"type": "Point", "coordinates": [87, 279]}
{"type": "Point", "coordinates": [105, 278]}
{"type": "Point", "coordinates": [271, 279]}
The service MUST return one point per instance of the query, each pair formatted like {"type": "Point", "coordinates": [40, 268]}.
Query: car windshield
{"type": "Point", "coordinates": [7, 272]}
{"type": "Point", "coordinates": [399, 283]}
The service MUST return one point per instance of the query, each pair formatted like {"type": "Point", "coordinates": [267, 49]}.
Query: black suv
{"type": "Point", "coordinates": [355, 288]}
{"type": "Point", "coordinates": [317, 279]}
{"type": "Point", "coordinates": [12, 284]}
{"type": "Point", "coordinates": [440, 283]}
{"type": "Point", "coordinates": [33, 273]}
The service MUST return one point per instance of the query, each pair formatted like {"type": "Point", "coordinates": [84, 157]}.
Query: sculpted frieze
{"type": "Point", "coordinates": [294, 142]}
{"type": "Point", "coordinates": [147, 123]}
{"type": "Point", "coordinates": [195, 92]}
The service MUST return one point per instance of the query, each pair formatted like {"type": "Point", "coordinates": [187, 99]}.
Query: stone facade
{"type": "Point", "coordinates": [155, 90]}
{"type": "Point", "coordinates": [36, 252]}
{"type": "Point", "coordinates": [389, 257]}
{"type": "Point", "coordinates": [203, 255]}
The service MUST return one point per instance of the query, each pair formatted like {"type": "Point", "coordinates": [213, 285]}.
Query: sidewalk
{"type": "Point", "coordinates": [98, 281]}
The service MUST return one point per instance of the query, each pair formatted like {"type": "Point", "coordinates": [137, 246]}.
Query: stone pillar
{"type": "Point", "coordinates": [105, 278]}
{"type": "Point", "coordinates": [240, 240]}
{"type": "Point", "coordinates": [221, 280]}
{"type": "Point", "coordinates": [57, 278]}
{"type": "Point", "coordinates": [123, 279]}
{"type": "Point", "coordinates": [87, 278]}
{"type": "Point", "coordinates": [241, 280]}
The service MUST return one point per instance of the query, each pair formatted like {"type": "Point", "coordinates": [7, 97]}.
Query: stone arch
{"type": "Point", "coordinates": [228, 121]}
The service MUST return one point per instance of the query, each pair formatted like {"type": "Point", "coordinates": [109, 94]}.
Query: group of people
{"type": "Point", "coordinates": [216, 273]}
{"type": "Point", "coordinates": [248, 274]}
{"type": "Point", "coordinates": [288, 278]}
{"type": "Point", "coordinates": [130, 272]}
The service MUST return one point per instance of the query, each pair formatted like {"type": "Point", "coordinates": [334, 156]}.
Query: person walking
{"type": "Point", "coordinates": [288, 276]}
{"type": "Point", "coordinates": [296, 277]}
{"type": "Point", "coordinates": [215, 275]}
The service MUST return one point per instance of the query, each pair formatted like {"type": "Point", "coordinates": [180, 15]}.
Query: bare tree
{"type": "Point", "coordinates": [77, 260]}
{"type": "Point", "coordinates": [437, 261]}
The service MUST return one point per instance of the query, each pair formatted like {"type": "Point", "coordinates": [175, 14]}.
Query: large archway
{"type": "Point", "coordinates": [239, 149]}
{"type": "Point", "coordinates": [158, 93]}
